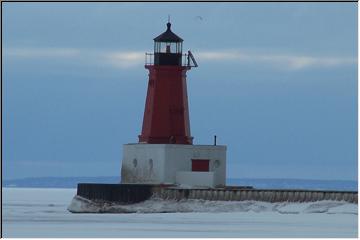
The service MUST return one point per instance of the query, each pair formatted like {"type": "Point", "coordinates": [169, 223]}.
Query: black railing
{"type": "Point", "coordinates": [187, 60]}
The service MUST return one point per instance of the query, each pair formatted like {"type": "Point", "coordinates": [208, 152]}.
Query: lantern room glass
{"type": "Point", "coordinates": [168, 47]}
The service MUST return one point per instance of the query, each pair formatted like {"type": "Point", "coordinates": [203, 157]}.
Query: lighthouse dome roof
{"type": "Point", "coordinates": [168, 36]}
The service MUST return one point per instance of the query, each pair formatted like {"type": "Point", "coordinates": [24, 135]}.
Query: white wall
{"type": "Point", "coordinates": [143, 172]}
{"type": "Point", "coordinates": [168, 159]}
{"type": "Point", "coordinates": [178, 158]}
{"type": "Point", "coordinates": [195, 179]}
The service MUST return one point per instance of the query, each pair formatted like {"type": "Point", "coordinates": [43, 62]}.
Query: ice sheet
{"type": "Point", "coordinates": [43, 213]}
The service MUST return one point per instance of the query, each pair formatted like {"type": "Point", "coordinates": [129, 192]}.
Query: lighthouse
{"type": "Point", "coordinates": [165, 153]}
{"type": "Point", "coordinates": [165, 163]}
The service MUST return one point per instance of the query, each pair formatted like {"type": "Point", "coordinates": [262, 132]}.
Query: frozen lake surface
{"type": "Point", "coordinates": [30, 212]}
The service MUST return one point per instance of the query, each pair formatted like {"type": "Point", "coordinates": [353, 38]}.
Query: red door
{"type": "Point", "coordinates": [200, 165]}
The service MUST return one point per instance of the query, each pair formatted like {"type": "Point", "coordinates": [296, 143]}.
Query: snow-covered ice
{"type": "Point", "coordinates": [43, 213]}
{"type": "Point", "coordinates": [82, 205]}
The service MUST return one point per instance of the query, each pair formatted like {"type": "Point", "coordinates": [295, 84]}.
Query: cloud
{"type": "Point", "coordinates": [285, 62]}
{"type": "Point", "coordinates": [124, 59]}
{"type": "Point", "coordinates": [117, 59]}
{"type": "Point", "coordinates": [130, 59]}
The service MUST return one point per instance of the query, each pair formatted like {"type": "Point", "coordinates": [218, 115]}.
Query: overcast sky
{"type": "Point", "coordinates": [276, 82]}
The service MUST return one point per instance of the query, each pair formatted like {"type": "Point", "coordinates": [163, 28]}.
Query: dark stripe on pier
{"type": "Point", "coordinates": [133, 193]}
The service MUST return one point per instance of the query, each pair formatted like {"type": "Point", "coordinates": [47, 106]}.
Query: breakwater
{"type": "Point", "coordinates": [266, 195]}
{"type": "Point", "coordinates": [133, 193]}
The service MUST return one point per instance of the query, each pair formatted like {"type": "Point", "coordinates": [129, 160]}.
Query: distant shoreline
{"type": "Point", "coordinates": [71, 182]}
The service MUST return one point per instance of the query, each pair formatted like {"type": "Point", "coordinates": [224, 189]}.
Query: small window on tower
{"type": "Point", "coordinates": [216, 164]}
{"type": "Point", "coordinates": [151, 164]}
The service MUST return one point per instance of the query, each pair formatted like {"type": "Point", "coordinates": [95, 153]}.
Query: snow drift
{"type": "Point", "coordinates": [155, 205]}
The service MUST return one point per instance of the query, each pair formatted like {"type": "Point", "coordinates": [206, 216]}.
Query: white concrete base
{"type": "Point", "coordinates": [159, 163]}
{"type": "Point", "coordinates": [195, 179]}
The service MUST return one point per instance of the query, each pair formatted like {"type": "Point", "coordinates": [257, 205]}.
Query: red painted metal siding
{"type": "Point", "coordinates": [166, 115]}
{"type": "Point", "coordinates": [200, 165]}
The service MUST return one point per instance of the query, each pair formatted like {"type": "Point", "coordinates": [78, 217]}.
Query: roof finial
{"type": "Point", "coordinates": [168, 24]}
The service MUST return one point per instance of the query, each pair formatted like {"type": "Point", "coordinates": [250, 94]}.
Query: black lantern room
{"type": "Point", "coordinates": [168, 48]}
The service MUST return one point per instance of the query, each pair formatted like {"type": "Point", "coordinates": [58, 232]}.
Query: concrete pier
{"type": "Point", "coordinates": [266, 195]}
{"type": "Point", "coordinates": [133, 193]}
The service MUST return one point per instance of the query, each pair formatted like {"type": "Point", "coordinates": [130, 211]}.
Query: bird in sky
{"type": "Point", "coordinates": [199, 18]}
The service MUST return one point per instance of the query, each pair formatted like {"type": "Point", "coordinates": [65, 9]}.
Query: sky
{"type": "Point", "coordinates": [276, 82]}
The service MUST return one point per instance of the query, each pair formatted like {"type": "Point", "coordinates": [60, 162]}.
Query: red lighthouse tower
{"type": "Point", "coordinates": [165, 153]}
{"type": "Point", "coordinates": [166, 115]}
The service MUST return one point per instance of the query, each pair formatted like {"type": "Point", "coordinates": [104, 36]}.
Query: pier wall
{"type": "Point", "coordinates": [266, 195]}
{"type": "Point", "coordinates": [133, 193]}
{"type": "Point", "coordinates": [121, 193]}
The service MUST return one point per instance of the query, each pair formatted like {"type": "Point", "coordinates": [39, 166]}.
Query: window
{"type": "Point", "coordinates": [216, 164]}
{"type": "Point", "coordinates": [151, 164]}
{"type": "Point", "coordinates": [135, 162]}
{"type": "Point", "coordinates": [168, 47]}
{"type": "Point", "coordinates": [200, 165]}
